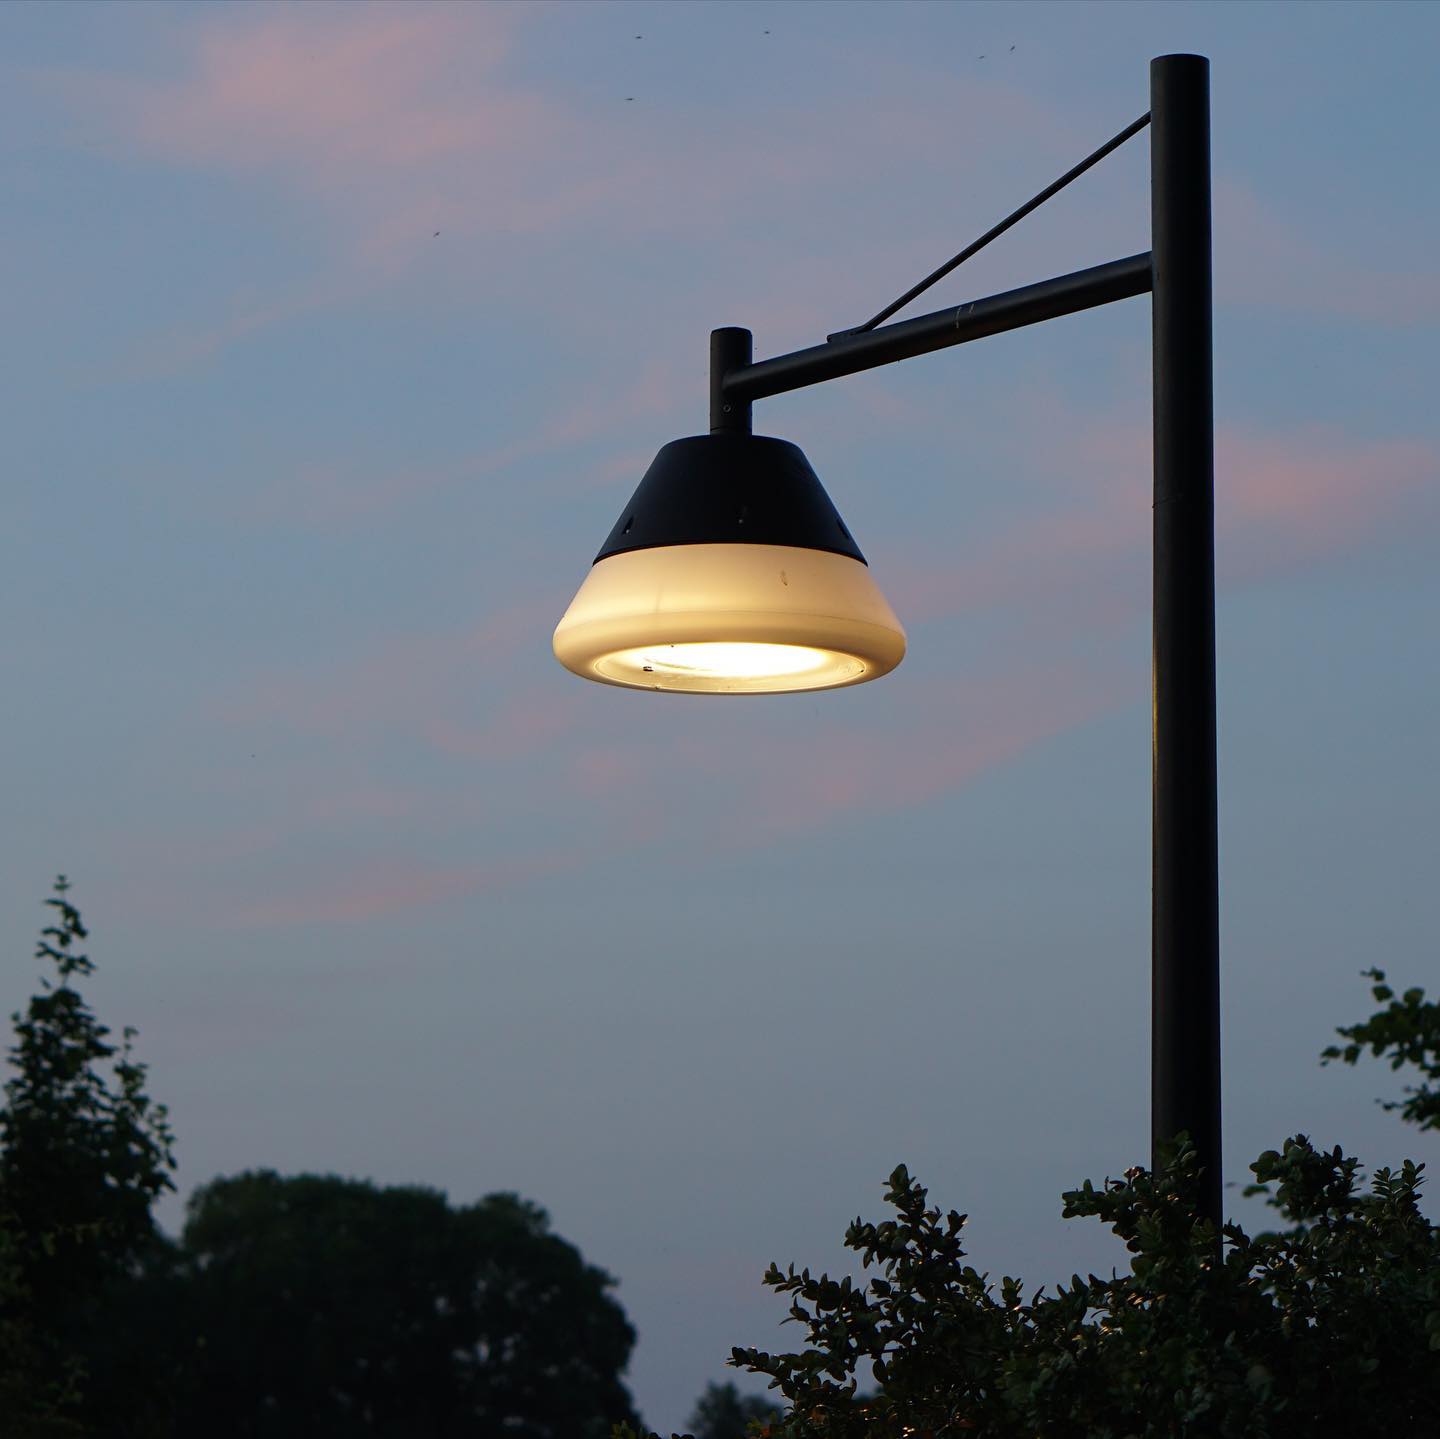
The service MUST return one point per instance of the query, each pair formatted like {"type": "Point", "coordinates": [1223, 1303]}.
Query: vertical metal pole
{"type": "Point", "coordinates": [730, 349]}
{"type": "Point", "coordinates": [1185, 1035]}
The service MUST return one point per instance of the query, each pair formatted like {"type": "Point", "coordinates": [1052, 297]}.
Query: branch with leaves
{"type": "Point", "coordinates": [1406, 1031]}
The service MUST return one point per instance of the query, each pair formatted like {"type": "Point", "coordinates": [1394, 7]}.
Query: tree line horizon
{"type": "Point", "coordinates": [314, 1304]}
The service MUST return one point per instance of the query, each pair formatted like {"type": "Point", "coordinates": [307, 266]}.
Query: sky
{"type": "Point", "coordinates": [333, 340]}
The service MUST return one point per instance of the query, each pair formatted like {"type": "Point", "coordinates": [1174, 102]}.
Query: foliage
{"type": "Point", "coordinates": [1332, 1323]}
{"type": "Point", "coordinates": [1407, 1032]}
{"type": "Point", "coordinates": [722, 1412]}
{"type": "Point", "coordinates": [33, 1403]}
{"type": "Point", "coordinates": [84, 1153]}
{"type": "Point", "coordinates": [321, 1305]}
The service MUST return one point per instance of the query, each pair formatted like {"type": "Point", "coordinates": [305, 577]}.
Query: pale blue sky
{"type": "Point", "coordinates": [295, 490]}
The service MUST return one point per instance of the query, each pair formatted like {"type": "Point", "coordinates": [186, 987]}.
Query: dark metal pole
{"type": "Point", "coordinates": [1185, 1034]}
{"type": "Point", "coordinates": [731, 348]}
{"type": "Point", "coordinates": [849, 354]}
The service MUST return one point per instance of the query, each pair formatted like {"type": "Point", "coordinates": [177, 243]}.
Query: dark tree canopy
{"type": "Point", "coordinates": [723, 1412]}
{"type": "Point", "coordinates": [83, 1155]}
{"type": "Point", "coordinates": [34, 1400]}
{"type": "Point", "coordinates": [320, 1305]}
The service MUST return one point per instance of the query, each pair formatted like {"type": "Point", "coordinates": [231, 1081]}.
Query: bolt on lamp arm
{"type": "Point", "coordinates": [730, 353]}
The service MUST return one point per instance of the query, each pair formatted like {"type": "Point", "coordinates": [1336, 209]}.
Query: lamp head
{"type": "Point", "coordinates": [729, 572]}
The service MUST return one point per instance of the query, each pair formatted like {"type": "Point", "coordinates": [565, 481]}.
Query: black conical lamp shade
{"type": "Point", "coordinates": [729, 572]}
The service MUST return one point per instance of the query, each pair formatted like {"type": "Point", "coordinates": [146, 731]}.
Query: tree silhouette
{"type": "Point", "coordinates": [723, 1412]}
{"type": "Point", "coordinates": [84, 1153]}
{"type": "Point", "coordinates": [321, 1305]}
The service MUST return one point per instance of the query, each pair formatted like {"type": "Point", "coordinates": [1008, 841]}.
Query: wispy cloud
{"type": "Point", "coordinates": [385, 886]}
{"type": "Point", "coordinates": [390, 123]}
{"type": "Point", "coordinates": [399, 686]}
{"type": "Point", "coordinates": [1267, 260]}
{"type": "Point", "coordinates": [743, 795]}
{"type": "Point", "coordinates": [247, 313]}
{"type": "Point", "coordinates": [387, 123]}
{"type": "Point", "coordinates": [1293, 501]}
{"type": "Point", "coordinates": [801, 780]}
{"type": "Point", "coordinates": [366, 91]}
{"type": "Point", "coordinates": [597, 424]}
{"type": "Point", "coordinates": [1285, 502]}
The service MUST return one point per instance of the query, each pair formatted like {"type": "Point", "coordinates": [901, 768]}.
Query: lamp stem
{"type": "Point", "coordinates": [1185, 1034]}
{"type": "Point", "coordinates": [730, 349]}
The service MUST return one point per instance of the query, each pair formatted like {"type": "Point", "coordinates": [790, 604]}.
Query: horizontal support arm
{"type": "Point", "coordinates": [847, 355]}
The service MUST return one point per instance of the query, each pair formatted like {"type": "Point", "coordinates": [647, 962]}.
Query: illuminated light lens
{"type": "Point", "coordinates": [718, 660]}
{"type": "Point", "coordinates": [728, 667]}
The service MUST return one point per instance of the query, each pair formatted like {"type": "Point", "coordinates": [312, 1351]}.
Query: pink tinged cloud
{"type": "Point", "coordinates": [387, 118]}
{"type": "Point", "coordinates": [401, 120]}
{"type": "Point", "coordinates": [1291, 502]}
{"type": "Point", "coordinates": [524, 723]}
{"type": "Point", "coordinates": [1285, 502]}
{"type": "Point", "coordinates": [177, 350]}
{"type": "Point", "coordinates": [968, 729]}
{"type": "Point", "coordinates": [393, 116]}
{"type": "Point", "coordinates": [1266, 260]}
{"type": "Point", "coordinates": [397, 685]}
{"type": "Point", "coordinates": [384, 887]}
{"type": "Point", "coordinates": [757, 791]}
{"type": "Point", "coordinates": [324, 495]}
{"type": "Point", "coordinates": [363, 89]}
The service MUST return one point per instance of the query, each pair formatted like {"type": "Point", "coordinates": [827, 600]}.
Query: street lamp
{"type": "Point", "coordinates": [730, 571]}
